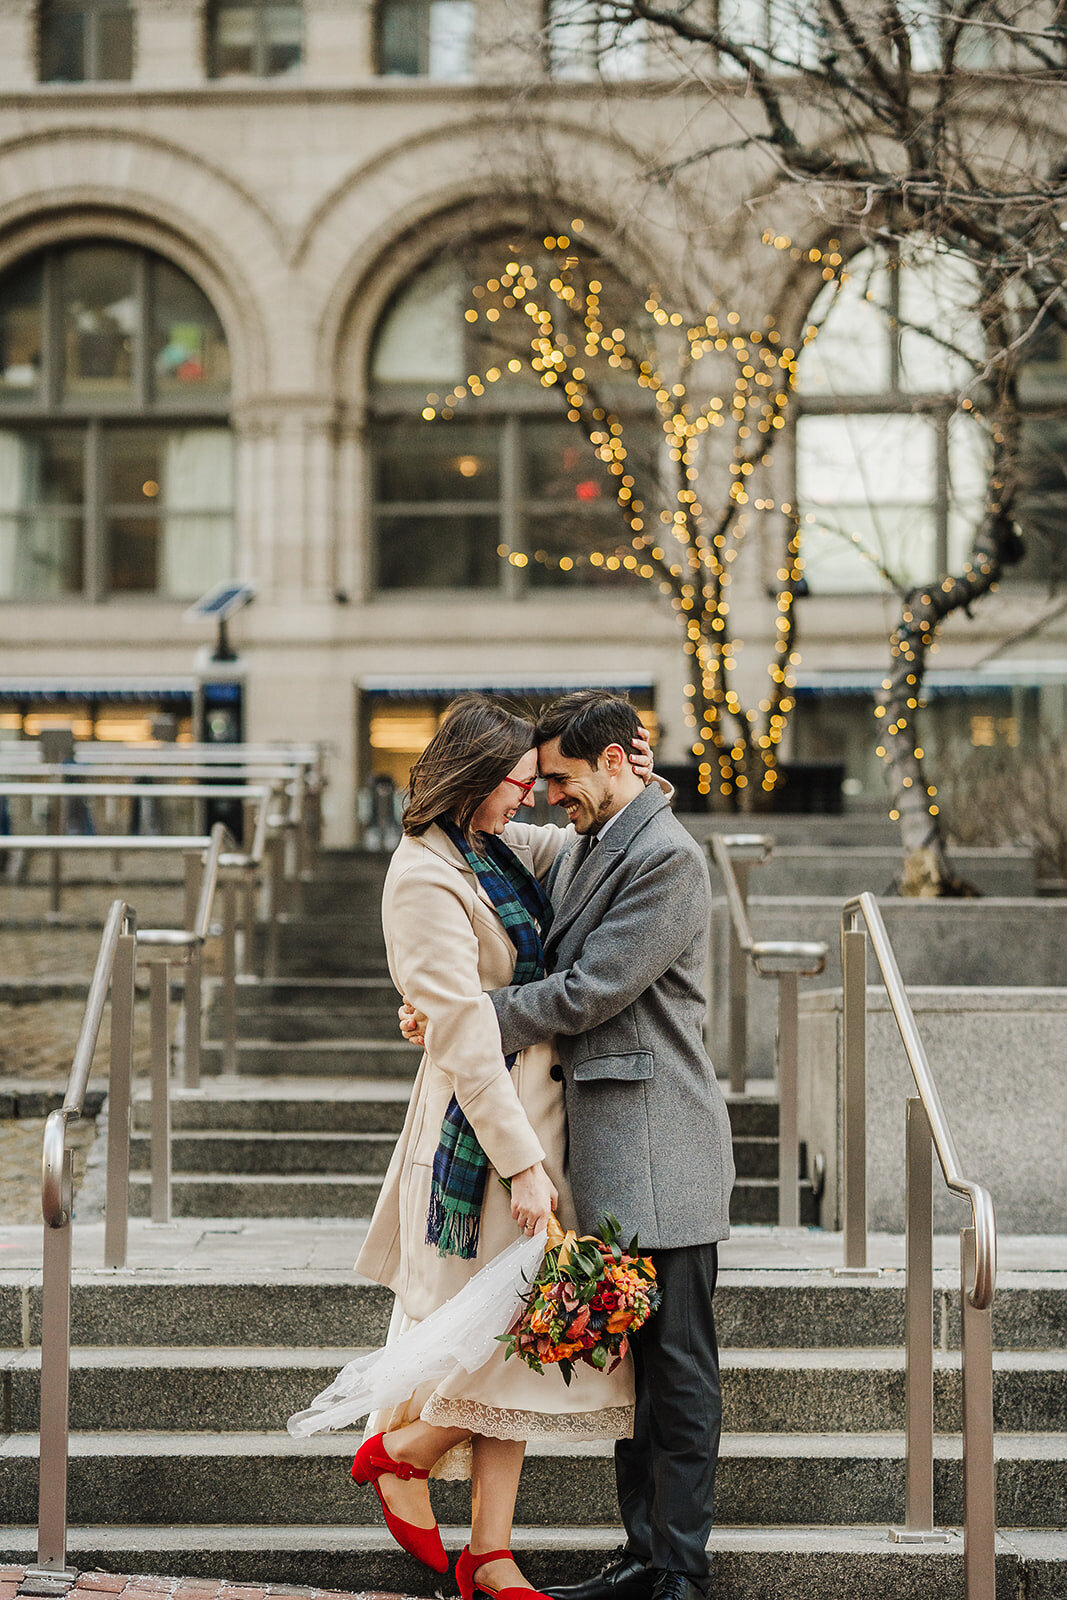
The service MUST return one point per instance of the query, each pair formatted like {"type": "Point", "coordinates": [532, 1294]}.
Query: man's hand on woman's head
{"type": "Point", "coordinates": [412, 1024]}
{"type": "Point", "coordinates": [641, 758]}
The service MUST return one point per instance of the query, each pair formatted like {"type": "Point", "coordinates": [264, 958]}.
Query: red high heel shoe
{"type": "Point", "coordinates": [372, 1463]}
{"type": "Point", "coordinates": [467, 1566]}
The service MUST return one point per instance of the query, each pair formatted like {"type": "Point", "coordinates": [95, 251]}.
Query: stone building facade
{"type": "Point", "coordinates": [203, 260]}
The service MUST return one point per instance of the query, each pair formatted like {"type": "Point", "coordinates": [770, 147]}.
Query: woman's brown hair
{"type": "Point", "coordinates": [476, 746]}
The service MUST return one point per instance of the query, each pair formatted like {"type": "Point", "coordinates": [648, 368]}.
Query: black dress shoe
{"type": "Point", "coordinates": [625, 1577]}
{"type": "Point", "coordinates": [676, 1586]}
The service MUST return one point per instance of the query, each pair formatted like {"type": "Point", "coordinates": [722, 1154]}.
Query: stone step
{"type": "Point", "coordinates": [337, 1193]}
{"type": "Point", "coordinates": [372, 1105]}
{"type": "Point", "coordinates": [225, 1194]}
{"type": "Point", "coordinates": [251, 1305]}
{"type": "Point", "coordinates": [335, 993]}
{"type": "Point", "coordinates": [765, 1480]}
{"type": "Point", "coordinates": [318, 1057]}
{"type": "Point", "coordinates": [282, 1024]}
{"type": "Point", "coordinates": [764, 1391]}
{"type": "Point", "coordinates": [376, 1105]}
{"type": "Point", "coordinates": [269, 1154]}
{"type": "Point", "coordinates": [818, 1563]}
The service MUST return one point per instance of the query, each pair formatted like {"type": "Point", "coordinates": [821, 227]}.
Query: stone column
{"type": "Point", "coordinates": [169, 42]}
{"type": "Point", "coordinates": [18, 44]}
{"type": "Point", "coordinates": [338, 40]}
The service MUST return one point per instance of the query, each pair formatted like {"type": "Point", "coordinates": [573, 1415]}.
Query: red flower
{"type": "Point", "coordinates": [609, 1299]}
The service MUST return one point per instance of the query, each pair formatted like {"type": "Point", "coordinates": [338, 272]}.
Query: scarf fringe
{"type": "Point", "coordinates": [455, 1233]}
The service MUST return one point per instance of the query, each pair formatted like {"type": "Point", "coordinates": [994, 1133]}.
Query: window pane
{"type": "Point", "coordinates": [870, 483]}
{"type": "Point", "coordinates": [565, 538]}
{"type": "Point", "coordinates": [189, 348]}
{"type": "Point", "coordinates": [170, 508]}
{"type": "Point", "coordinates": [62, 45]}
{"type": "Point", "coordinates": [421, 338]}
{"type": "Point", "coordinates": [132, 554]}
{"type": "Point", "coordinates": [1043, 503]}
{"type": "Point", "coordinates": [400, 27]}
{"type": "Point", "coordinates": [21, 324]}
{"type": "Point", "coordinates": [850, 354]}
{"type": "Point", "coordinates": [451, 36]}
{"type": "Point", "coordinates": [100, 321]}
{"type": "Point", "coordinates": [284, 39]}
{"type": "Point", "coordinates": [968, 480]}
{"type": "Point", "coordinates": [445, 552]}
{"type": "Point", "coordinates": [938, 295]}
{"type": "Point", "coordinates": [235, 41]}
{"type": "Point", "coordinates": [114, 46]}
{"type": "Point", "coordinates": [41, 492]}
{"type": "Point", "coordinates": [585, 41]}
{"type": "Point", "coordinates": [438, 461]}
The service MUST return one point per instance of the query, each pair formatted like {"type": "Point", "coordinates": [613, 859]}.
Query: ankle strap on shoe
{"type": "Point", "coordinates": [399, 1469]}
{"type": "Point", "coordinates": [490, 1555]}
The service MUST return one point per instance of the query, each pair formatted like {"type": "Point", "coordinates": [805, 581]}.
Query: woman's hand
{"type": "Point", "coordinates": [641, 758]}
{"type": "Point", "coordinates": [533, 1198]}
{"type": "Point", "coordinates": [412, 1024]}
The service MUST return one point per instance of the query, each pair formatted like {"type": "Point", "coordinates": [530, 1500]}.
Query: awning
{"type": "Point", "coordinates": [65, 691]}
{"type": "Point", "coordinates": [433, 686]}
{"type": "Point", "coordinates": [988, 678]}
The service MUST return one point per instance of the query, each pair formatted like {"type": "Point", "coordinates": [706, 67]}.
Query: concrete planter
{"type": "Point", "coordinates": [997, 1055]}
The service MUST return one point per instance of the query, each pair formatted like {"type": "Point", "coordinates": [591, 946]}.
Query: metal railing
{"type": "Point", "coordinates": [114, 971]}
{"type": "Point", "coordinates": [787, 960]}
{"type": "Point", "coordinates": [59, 795]}
{"type": "Point", "coordinates": [927, 1130]}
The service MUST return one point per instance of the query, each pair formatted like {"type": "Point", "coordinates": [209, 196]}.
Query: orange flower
{"type": "Point", "coordinates": [619, 1321]}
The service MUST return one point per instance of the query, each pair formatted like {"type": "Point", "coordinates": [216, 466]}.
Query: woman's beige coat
{"type": "Point", "coordinates": [446, 947]}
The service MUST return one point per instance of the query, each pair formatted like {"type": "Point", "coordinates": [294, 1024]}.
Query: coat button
{"type": "Point", "coordinates": [555, 1072]}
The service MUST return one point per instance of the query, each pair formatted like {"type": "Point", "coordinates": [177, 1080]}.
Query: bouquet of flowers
{"type": "Point", "coordinates": [588, 1297]}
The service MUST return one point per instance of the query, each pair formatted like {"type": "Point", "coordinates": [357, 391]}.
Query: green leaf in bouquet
{"type": "Point", "coordinates": [566, 1371]}
{"type": "Point", "coordinates": [599, 1357]}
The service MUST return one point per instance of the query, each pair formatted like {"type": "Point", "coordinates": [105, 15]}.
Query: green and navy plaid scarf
{"type": "Point", "coordinates": [460, 1166]}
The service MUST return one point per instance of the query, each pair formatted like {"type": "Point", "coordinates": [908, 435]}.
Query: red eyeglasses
{"type": "Point", "coordinates": [523, 788]}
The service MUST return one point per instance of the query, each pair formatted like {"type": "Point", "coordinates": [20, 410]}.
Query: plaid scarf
{"type": "Point", "coordinates": [460, 1166]}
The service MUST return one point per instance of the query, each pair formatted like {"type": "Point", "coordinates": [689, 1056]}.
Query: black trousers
{"type": "Point", "coordinates": [666, 1473]}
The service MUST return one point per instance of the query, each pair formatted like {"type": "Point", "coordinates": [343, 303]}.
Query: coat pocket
{"type": "Point", "coordinates": [630, 1068]}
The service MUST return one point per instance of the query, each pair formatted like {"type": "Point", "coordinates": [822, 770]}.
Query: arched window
{"type": "Point", "coordinates": [116, 459]}
{"type": "Point", "coordinates": [890, 470]}
{"type": "Point", "coordinates": [509, 474]}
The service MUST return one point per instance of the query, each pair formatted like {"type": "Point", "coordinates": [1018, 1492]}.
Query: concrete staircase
{"type": "Point", "coordinates": [182, 1382]}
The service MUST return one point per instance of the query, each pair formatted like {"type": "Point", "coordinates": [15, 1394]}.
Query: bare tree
{"type": "Point", "coordinates": [890, 120]}
{"type": "Point", "coordinates": [685, 492]}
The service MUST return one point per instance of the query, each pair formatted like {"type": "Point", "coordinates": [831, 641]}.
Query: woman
{"type": "Point", "coordinates": [464, 913]}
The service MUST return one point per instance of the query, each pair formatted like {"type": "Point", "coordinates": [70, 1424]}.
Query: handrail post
{"type": "Point", "coordinates": [918, 1332]}
{"type": "Point", "coordinates": [788, 1148]}
{"type": "Point", "coordinates": [979, 1472]}
{"type": "Point", "coordinates": [274, 872]}
{"type": "Point", "coordinates": [159, 1000]}
{"type": "Point", "coordinates": [55, 1388]}
{"type": "Point", "coordinates": [191, 993]}
{"type": "Point", "coordinates": [737, 971]}
{"type": "Point", "coordinates": [55, 865]}
{"type": "Point", "coordinates": [120, 1076]}
{"type": "Point", "coordinates": [229, 976]}
{"type": "Point", "coordinates": [854, 1051]}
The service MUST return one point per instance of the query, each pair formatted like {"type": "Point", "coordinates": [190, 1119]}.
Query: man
{"type": "Point", "coordinates": [649, 1133]}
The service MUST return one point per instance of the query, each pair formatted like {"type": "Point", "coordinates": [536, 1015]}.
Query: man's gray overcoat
{"type": "Point", "coordinates": [649, 1133]}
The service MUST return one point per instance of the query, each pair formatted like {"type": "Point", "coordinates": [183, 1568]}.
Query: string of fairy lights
{"type": "Point", "coordinates": [685, 549]}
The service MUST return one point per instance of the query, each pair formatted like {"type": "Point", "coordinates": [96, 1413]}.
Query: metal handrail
{"type": "Point", "coordinates": [784, 959]}
{"type": "Point", "coordinates": [114, 972]}
{"type": "Point", "coordinates": [927, 1130]}
{"type": "Point", "coordinates": [981, 1292]}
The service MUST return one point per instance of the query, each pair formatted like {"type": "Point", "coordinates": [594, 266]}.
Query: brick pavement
{"type": "Point", "coordinates": [105, 1585]}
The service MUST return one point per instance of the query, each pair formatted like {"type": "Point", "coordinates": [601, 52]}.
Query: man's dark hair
{"type": "Point", "coordinates": [586, 722]}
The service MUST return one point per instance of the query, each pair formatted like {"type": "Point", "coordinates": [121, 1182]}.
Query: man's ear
{"type": "Point", "coordinates": [614, 758]}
